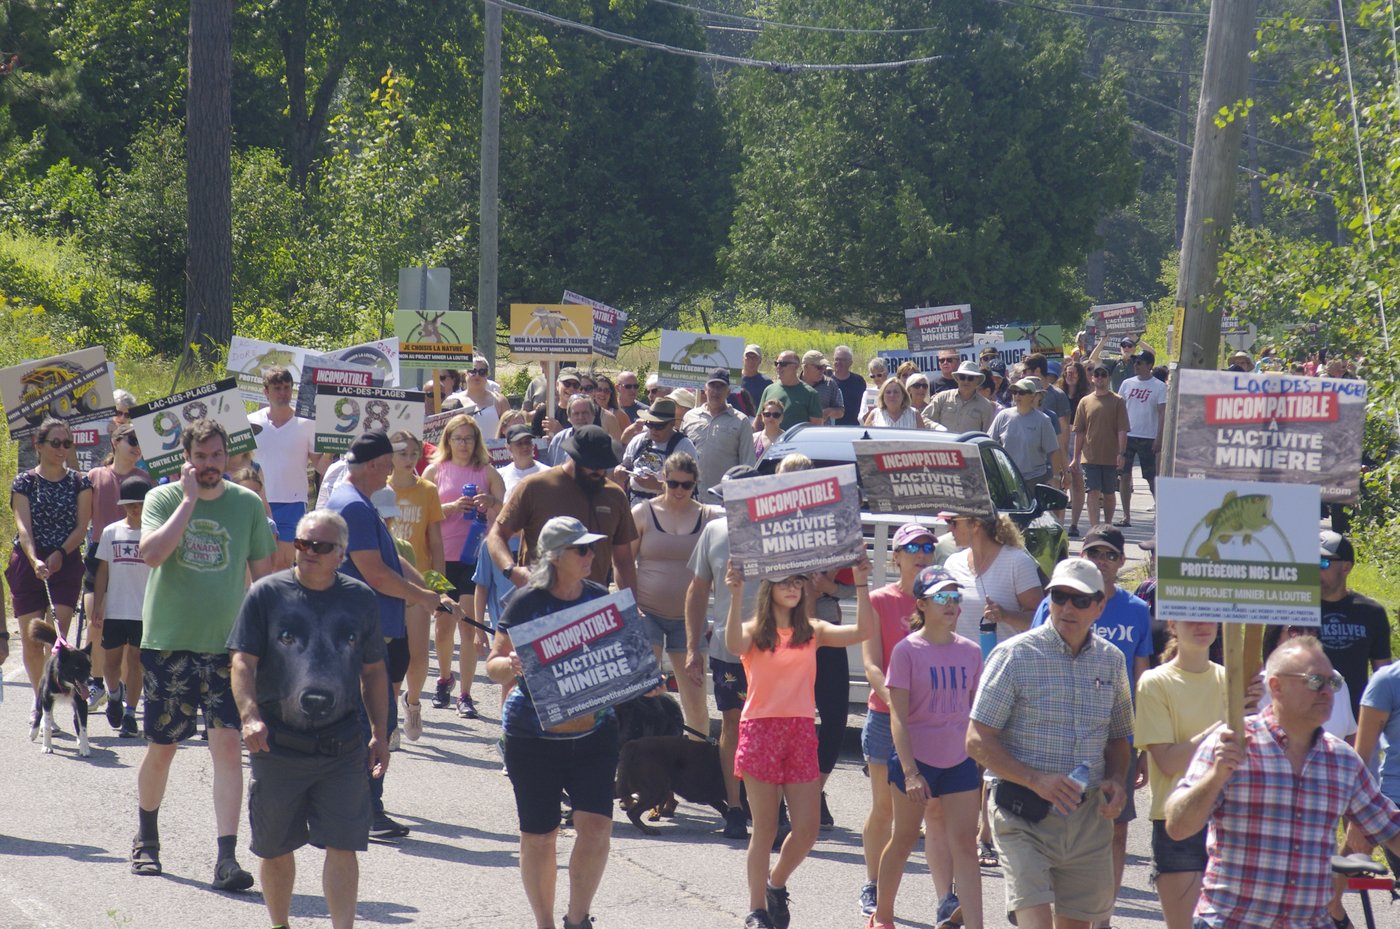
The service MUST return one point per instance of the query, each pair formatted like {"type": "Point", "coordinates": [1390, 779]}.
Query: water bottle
{"type": "Point", "coordinates": [477, 532]}
{"type": "Point", "coordinates": [1080, 775]}
{"type": "Point", "coordinates": [987, 637]}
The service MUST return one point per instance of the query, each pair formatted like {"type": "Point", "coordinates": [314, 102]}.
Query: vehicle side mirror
{"type": "Point", "coordinates": [1049, 498]}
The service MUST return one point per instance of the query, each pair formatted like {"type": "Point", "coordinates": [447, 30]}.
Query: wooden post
{"type": "Point", "coordinates": [1234, 675]}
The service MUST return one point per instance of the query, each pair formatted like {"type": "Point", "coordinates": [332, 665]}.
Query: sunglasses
{"type": "Point", "coordinates": [945, 597]}
{"type": "Point", "coordinates": [659, 426]}
{"type": "Point", "coordinates": [1098, 374]}
{"type": "Point", "coordinates": [769, 414]}
{"type": "Point", "coordinates": [570, 385]}
{"type": "Point", "coordinates": [132, 440]}
{"type": "Point", "coordinates": [917, 387]}
{"type": "Point", "coordinates": [968, 377]}
{"type": "Point", "coordinates": [680, 485]}
{"type": "Point", "coordinates": [1020, 393]}
{"type": "Point", "coordinates": [480, 372]}
{"type": "Point", "coordinates": [59, 443]}
{"type": "Point", "coordinates": [1324, 563]}
{"type": "Point", "coordinates": [310, 545]}
{"type": "Point", "coordinates": [627, 386]}
{"type": "Point", "coordinates": [783, 364]}
{"type": "Point", "coordinates": [1080, 601]}
{"type": "Point", "coordinates": [915, 547]}
{"type": "Point", "coordinates": [1103, 554]}
{"type": "Point", "coordinates": [947, 361]}
{"type": "Point", "coordinates": [588, 387]}
{"type": "Point", "coordinates": [1316, 682]}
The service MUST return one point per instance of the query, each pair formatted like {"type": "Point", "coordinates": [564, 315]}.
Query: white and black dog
{"type": "Point", "coordinates": [66, 673]}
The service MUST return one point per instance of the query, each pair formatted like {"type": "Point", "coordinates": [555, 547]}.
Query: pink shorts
{"type": "Point", "coordinates": [777, 750]}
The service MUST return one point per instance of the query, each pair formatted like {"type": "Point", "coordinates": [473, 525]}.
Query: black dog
{"type": "Point", "coordinates": [647, 716]}
{"type": "Point", "coordinates": [66, 673]}
{"type": "Point", "coordinates": [653, 771]}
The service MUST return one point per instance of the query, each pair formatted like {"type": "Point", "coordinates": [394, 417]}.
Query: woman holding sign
{"type": "Point", "coordinates": [777, 753]}
{"type": "Point", "coordinates": [579, 756]}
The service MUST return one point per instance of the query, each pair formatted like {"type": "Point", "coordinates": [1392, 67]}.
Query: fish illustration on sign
{"type": "Point", "coordinates": [1244, 517]}
{"type": "Point", "coordinates": [696, 350]}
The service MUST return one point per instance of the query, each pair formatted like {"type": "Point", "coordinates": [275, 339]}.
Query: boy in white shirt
{"type": "Point", "coordinates": [118, 593]}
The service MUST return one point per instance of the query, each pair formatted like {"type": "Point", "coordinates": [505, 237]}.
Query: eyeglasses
{"type": "Point", "coordinates": [1080, 601]}
{"type": "Point", "coordinates": [1103, 554]}
{"type": "Point", "coordinates": [797, 580]}
{"type": "Point", "coordinates": [583, 551]}
{"type": "Point", "coordinates": [1316, 682]}
{"type": "Point", "coordinates": [311, 545]}
{"type": "Point", "coordinates": [680, 485]}
{"type": "Point", "coordinates": [463, 438]}
{"type": "Point", "coordinates": [1324, 563]}
{"type": "Point", "coordinates": [914, 547]}
{"type": "Point", "coordinates": [945, 597]}
{"type": "Point", "coordinates": [59, 443]}
{"type": "Point", "coordinates": [770, 414]}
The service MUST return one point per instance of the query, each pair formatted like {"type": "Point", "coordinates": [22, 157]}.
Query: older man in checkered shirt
{"type": "Point", "coordinates": [1272, 804]}
{"type": "Point", "coordinates": [1050, 700]}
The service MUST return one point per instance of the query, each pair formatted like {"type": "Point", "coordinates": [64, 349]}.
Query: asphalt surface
{"type": "Point", "coordinates": [64, 844]}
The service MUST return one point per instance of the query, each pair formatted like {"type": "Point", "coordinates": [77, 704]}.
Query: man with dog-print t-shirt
{"type": "Point", "coordinates": [307, 648]}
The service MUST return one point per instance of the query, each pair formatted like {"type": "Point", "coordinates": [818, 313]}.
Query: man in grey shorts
{"type": "Point", "coordinates": [306, 649]}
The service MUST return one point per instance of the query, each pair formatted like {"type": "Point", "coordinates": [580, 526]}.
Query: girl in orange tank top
{"type": "Point", "coordinates": [777, 753]}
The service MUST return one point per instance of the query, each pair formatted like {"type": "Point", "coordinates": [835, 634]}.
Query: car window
{"type": "Point", "coordinates": [1008, 490]}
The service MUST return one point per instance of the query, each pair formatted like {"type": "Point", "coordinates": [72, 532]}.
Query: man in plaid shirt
{"type": "Point", "coordinates": [1273, 803]}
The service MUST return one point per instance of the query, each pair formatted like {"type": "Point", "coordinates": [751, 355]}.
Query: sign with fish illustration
{"type": "Point", "coordinates": [915, 477]}
{"type": "Point", "coordinates": [687, 358]}
{"type": "Point", "coordinates": [933, 327]}
{"type": "Point", "coordinates": [550, 330]}
{"type": "Point", "coordinates": [1237, 551]}
{"type": "Point", "coordinates": [1272, 427]}
{"type": "Point", "coordinates": [1119, 319]}
{"type": "Point", "coordinates": [586, 658]}
{"type": "Point", "coordinates": [786, 524]}
{"type": "Point", "coordinates": [608, 323]}
{"type": "Point", "coordinates": [249, 358]}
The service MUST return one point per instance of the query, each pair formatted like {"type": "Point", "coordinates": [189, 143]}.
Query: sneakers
{"type": "Point", "coordinates": [466, 709]}
{"type": "Point", "coordinates": [735, 823]}
{"type": "Point", "coordinates": [442, 697]}
{"type": "Point", "coordinates": [386, 828]}
{"type": "Point", "coordinates": [394, 741]}
{"type": "Point", "coordinates": [585, 923]}
{"type": "Point", "coordinates": [115, 707]}
{"type": "Point", "coordinates": [129, 730]}
{"type": "Point", "coordinates": [758, 919]}
{"type": "Point", "coordinates": [1074, 532]}
{"type": "Point", "coordinates": [777, 900]}
{"type": "Point", "coordinates": [97, 694]}
{"type": "Point", "coordinates": [412, 720]}
{"type": "Point", "coordinates": [229, 876]}
{"type": "Point", "coordinates": [828, 823]}
{"type": "Point", "coordinates": [947, 907]}
{"type": "Point", "coordinates": [867, 898]}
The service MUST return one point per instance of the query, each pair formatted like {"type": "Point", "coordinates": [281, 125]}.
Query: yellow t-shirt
{"type": "Point", "coordinates": [419, 508]}
{"type": "Point", "coordinates": [1172, 706]}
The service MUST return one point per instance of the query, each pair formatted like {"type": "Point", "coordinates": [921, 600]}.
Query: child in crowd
{"type": "Point", "coordinates": [118, 593]}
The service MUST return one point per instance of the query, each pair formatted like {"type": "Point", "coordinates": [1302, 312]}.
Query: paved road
{"type": "Point", "coordinates": [63, 845]}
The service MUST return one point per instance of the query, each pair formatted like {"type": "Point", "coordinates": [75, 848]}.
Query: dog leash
{"type": "Point", "coordinates": [699, 735]}
{"type": "Point", "coordinates": [60, 643]}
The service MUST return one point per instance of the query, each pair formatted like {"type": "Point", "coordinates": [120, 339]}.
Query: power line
{"type": "Point", "coordinates": [1257, 175]}
{"type": "Point", "coordinates": [754, 20]}
{"type": "Point", "coordinates": [1171, 109]}
{"type": "Point", "coordinates": [782, 67]}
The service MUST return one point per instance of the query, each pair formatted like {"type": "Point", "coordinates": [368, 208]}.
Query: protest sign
{"type": "Point", "coordinates": [91, 443]}
{"type": "Point", "coordinates": [75, 384]}
{"type": "Point", "coordinates": [1237, 551]}
{"type": "Point", "coordinates": [249, 358]}
{"type": "Point", "coordinates": [433, 425]}
{"type": "Point", "coordinates": [325, 369]}
{"type": "Point", "coordinates": [785, 524]}
{"type": "Point", "coordinates": [500, 451]}
{"type": "Point", "coordinates": [1048, 340]}
{"type": "Point", "coordinates": [381, 354]}
{"type": "Point", "coordinates": [1271, 427]}
{"type": "Point", "coordinates": [550, 330]}
{"type": "Point", "coordinates": [585, 658]}
{"type": "Point", "coordinates": [161, 423]}
{"type": "Point", "coordinates": [1119, 319]}
{"type": "Point", "coordinates": [608, 324]}
{"type": "Point", "coordinates": [430, 339]}
{"type": "Point", "coordinates": [923, 477]}
{"type": "Point", "coordinates": [1008, 352]}
{"type": "Point", "coordinates": [935, 327]}
{"type": "Point", "coordinates": [687, 358]}
{"type": "Point", "coordinates": [343, 413]}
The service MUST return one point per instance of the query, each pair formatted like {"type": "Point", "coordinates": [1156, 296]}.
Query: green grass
{"type": "Point", "coordinates": [1369, 580]}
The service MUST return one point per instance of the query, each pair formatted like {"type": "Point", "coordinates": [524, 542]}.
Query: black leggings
{"type": "Point", "coordinates": [832, 693]}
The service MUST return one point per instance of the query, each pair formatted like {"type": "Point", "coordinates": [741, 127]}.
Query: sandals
{"type": "Point", "coordinates": [987, 855]}
{"type": "Point", "coordinates": [145, 857]}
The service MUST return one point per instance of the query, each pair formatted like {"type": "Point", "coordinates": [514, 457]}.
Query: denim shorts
{"type": "Point", "coordinates": [941, 781]}
{"type": "Point", "coordinates": [1101, 478]}
{"type": "Point", "coordinates": [667, 633]}
{"type": "Point", "coordinates": [1170, 856]}
{"type": "Point", "coordinates": [876, 740]}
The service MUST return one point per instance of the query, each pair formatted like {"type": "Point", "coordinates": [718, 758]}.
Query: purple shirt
{"type": "Point", "coordinates": [941, 680]}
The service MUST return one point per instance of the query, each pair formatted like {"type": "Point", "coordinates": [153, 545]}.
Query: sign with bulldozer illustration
{"type": "Point", "coordinates": [77, 385]}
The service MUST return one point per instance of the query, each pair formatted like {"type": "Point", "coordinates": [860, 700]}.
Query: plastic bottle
{"type": "Point", "coordinates": [478, 528]}
{"type": "Point", "coordinates": [1080, 775]}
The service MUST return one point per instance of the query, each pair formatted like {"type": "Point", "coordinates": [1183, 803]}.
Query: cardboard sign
{"type": "Point", "coordinates": [687, 358]}
{"type": "Point", "coordinates": [430, 339]}
{"type": "Point", "coordinates": [1048, 340]}
{"type": "Point", "coordinates": [923, 477]}
{"type": "Point", "coordinates": [91, 443]}
{"type": "Point", "coordinates": [249, 358]}
{"type": "Point", "coordinates": [585, 658]}
{"type": "Point", "coordinates": [1008, 352]}
{"type": "Point", "coordinates": [786, 524]}
{"type": "Point", "coordinates": [73, 385]}
{"type": "Point", "coordinates": [1119, 319]}
{"type": "Point", "coordinates": [325, 369]}
{"type": "Point", "coordinates": [500, 451]}
{"type": "Point", "coordinates": [343, 413]}
{"type": "Point", "coordinates": [382, 355]}
{"type": "Point", "coordinates": [608, 324]}
{"type": "Point", "coordinates": [1272, 427]}
{"type": "Point", "coordinates": [550, 330]}
{"type": "Point", "coordinates": [935, 327]}
{"type": "Point", "coordinates": [1237, 551]}
{"type": "Point", "coordinates": [160, 424]}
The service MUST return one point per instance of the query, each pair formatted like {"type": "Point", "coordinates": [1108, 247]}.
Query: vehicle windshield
{"type": "Point", "coordinates": [1008, 492]}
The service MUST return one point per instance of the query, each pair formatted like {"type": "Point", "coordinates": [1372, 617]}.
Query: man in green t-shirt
{"type": "Point", "coordinates": [200, 537]}
{"type": "Point", "coordinates": [800, 402]}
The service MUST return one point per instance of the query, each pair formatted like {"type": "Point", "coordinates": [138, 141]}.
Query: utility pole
{"type": "Point", "coordinates": [489, 231]}
{"type": "Point", "coordinates": [1210, 199]}
{"type": "Point", "coordinates": [1209, 214]}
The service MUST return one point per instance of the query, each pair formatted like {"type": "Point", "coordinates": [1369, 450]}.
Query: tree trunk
{"type": "Point", "coordinates": [209, 137]}
{"type": "Point", "coordinates": [307, 114]}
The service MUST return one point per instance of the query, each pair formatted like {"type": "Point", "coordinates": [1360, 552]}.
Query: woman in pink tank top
{"type": "Point", "coordinates": [777, 753]}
